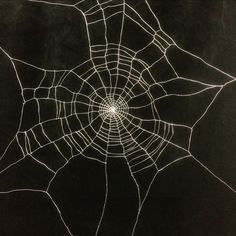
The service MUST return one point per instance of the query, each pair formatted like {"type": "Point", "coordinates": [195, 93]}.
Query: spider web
{"type": "Point", "coordinates": [109, 106]}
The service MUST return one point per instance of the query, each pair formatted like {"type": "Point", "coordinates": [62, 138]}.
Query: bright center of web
{"type": "Point", "coordinates": [112, 110]}
{"type": "Point", "coordinates": [115, 108]}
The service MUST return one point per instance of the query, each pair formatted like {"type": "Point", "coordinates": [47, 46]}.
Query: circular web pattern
{"type": "Point", "coordinates": [113, 108]}
{"type": "Point", "coordinates": [126, 100]}
{"type": "Point", "coordinates": [116, 109]}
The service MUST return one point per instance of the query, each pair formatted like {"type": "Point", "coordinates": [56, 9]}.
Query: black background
{"type": "Point", "coordinates": [185, 200]}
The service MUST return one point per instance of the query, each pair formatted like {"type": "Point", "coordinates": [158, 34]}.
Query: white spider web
{"type": "Point", "coordinates": [108, 103]}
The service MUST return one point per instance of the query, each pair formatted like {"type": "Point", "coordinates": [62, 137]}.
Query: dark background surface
{"type": "Point", "coordinates": [185, 200]}
{"type": "Point", "coordinates": [51, 37]}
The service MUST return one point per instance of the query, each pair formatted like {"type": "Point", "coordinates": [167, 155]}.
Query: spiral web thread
{"type": "Point", "coordinates": [101, 113]}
